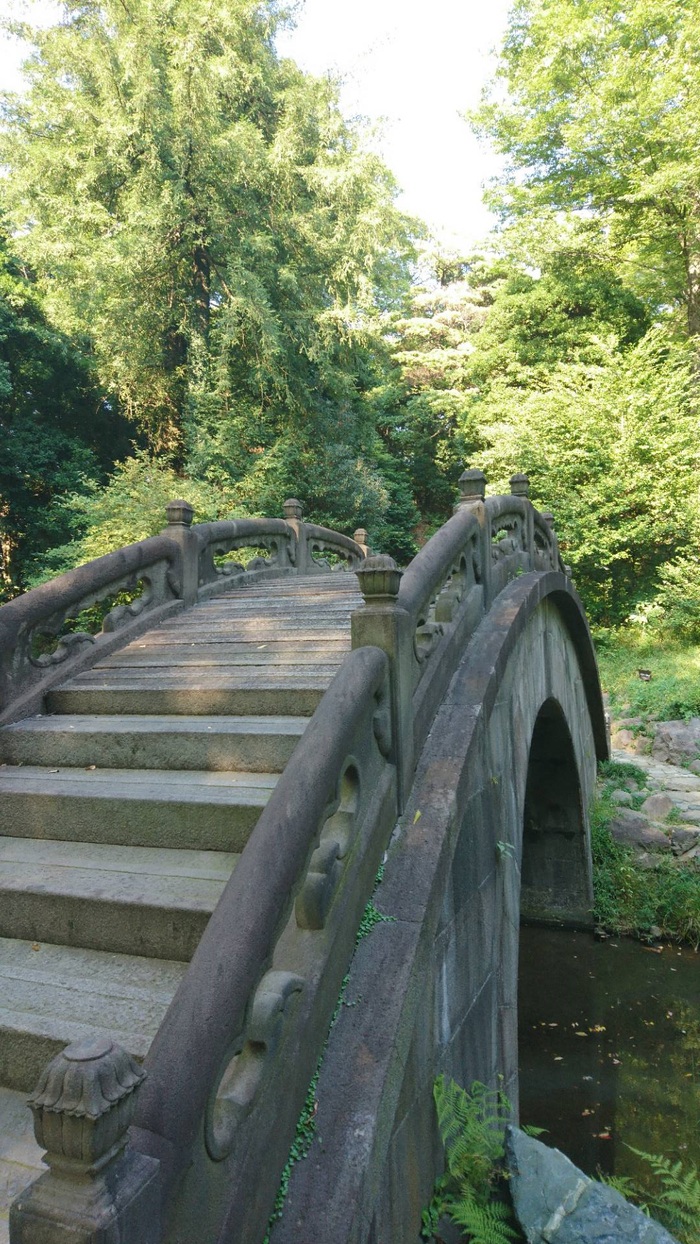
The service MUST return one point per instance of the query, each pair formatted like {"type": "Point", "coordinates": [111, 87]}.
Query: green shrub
{"type": "Point", "coordinates": [678, 599]}
{"type": "Point", "coordinates": [628, 899]}
{"type": "Point", "coordinates": [672, 693]}
{"type": "Point", "coordinates": [674, 1198]}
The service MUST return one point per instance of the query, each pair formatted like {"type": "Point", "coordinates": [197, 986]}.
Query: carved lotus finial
{"type": "Point", "coordinates": [292, 509]}
{"type": "Point", "coordinates": [85, 1101]}
{"type": "Point", "coordinates": [379, 579]}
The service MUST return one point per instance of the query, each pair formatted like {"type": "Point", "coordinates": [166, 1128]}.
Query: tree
{"type": "Point", "coordinates": [200, 208]}
{"type": "Point", "coordinates": [611, 450]}
{"type": "Point", "coordinates": [57, 433]}
{"type": "Point", "coordinates": [600, 116]}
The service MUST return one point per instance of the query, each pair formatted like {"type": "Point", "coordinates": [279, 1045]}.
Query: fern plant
{"type": "Point", "coordinates": [676, 1201]}
{"type": "Point", "coordinates": [472, 1126]}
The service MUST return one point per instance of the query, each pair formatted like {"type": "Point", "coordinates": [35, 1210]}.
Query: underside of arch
{"type": "Point", "coordinates": [556, 884]}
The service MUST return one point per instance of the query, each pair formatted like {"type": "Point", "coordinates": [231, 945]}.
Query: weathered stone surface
{"type": "Point", "coordinates": [555, 1203]}
{"type": "Point", "coordinates": [632, 829]}
{"type": "Point", "coordinates": [684, 839]}
{"type": "Point", "coordinates": [677, 741]}
{"type": "Point", "coordinates": [442, 976]}
{"type": "Point", "coordinates": [623, 797]}
{"type": "Point", "coordinates": [657, 807]}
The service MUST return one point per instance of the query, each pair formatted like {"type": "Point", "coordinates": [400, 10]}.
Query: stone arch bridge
{"type": "Point", "coordinates": [254, 758]}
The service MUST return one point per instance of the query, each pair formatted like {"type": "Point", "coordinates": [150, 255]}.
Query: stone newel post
{"type": "Point", "coordinates": [293, 515]}
{"type": "Point", "coordinates": [362, 538]}
{"type": "Point", "coordinates": [97, 1190]}
{"type": "Point", "coordinates": [382, 623]}
{"type": "Point", "coordinates": [180, 515]}
{"type": "Point", "coordinates": [472, 488]}
{"type": "Point", "coordinates": [520, 487]}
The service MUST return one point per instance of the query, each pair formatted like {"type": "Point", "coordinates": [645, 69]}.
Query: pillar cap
{"type": "Point", "coordinates": [379, 579]}
{"type": "Point", "coordinates": [519, 485]}
{"type": "Point", "coordinates": [179, 513]}
{"type": "Point", "coordinates": [472, 487]}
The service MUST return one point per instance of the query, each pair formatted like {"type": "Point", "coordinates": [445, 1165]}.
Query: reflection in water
{"type": "Point", "coordinates": [609, 1037]}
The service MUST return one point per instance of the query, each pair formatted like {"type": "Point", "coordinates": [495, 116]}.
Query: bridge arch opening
{"type": "Point", "coordinates": [556, 881]}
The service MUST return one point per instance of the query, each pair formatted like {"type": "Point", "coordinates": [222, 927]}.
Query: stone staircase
{"type": "Point", "coordinates": [124, 811]}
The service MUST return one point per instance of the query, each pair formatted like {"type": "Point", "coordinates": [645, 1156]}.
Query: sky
{"type": "Point", "coordinates": [417, 67]}
{"type": "Point", "coordinates": [412, 68]}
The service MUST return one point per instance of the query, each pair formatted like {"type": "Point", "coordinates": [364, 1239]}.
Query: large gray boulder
{"type": "Point", "coordinates": [632, 829]}
{"type": "Point", "coordinates": [677, 742]}
{"type": "Point", "coordinates": [555, 1203]}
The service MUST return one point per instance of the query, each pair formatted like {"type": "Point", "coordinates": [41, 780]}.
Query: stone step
{"type": "Point", "coordinates": [57, 994]}
{"type": "Point", "coordinates": [216, 656]}
{"type": "Point", "coordinates": [275, 635]}
{"type": "Point", "coordinates": [137, 807]}
{"type": "Point", "coordinates": [131, 900]}
{"type": "Point", "coordinates": [192, 693]}
{"type": "Point", "coordinates": [213, 642]}
{"type": "Point", "coordinates": [245, 744]}
{"type": "Point", "coordinates": [20, 1155]}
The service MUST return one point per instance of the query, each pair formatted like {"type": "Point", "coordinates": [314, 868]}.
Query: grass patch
{"type": "Point", "coordinates": [672, 693]}
{"type": "Point", "coordinates": [616, 773]}
{"type": "Point", "coordinates": [628, 899]}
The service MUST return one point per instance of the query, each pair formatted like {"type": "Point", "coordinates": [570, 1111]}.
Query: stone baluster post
{"type": "Point", "coordinates": [293, 515]}
{"type": "Point", "coordinates": [97, 1189]}
{"type": "Point", "coordinates": [179, 529]}
{"type": "Point", "coordinates": [472, 489]}
{"type": "Point", "coordinates": [361, 537]}
{"type": "Point", "coordinates": [556, 560]}
{"type": "Point", "coordinates": [520, 487]}
{"type": "Point", "coordinates": [472, 496]}
{"type": "Point", "coordinates": [382, 623]}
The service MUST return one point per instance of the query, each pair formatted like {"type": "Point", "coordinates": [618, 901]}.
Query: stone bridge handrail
{"type": "Point", "coordinates": [424, 618]}
{"type": "Point", "coordinates": [177, 568]}
{"type": "Point", "coordinates": [268, 970]}
{"type": "Point", "coordinates": [43, 611]}
{"type": "Point", "coordinates": [323, 540]}
{"type": "Point", "coordinates": [217, 539]}
{"type": "Point", "coordinates": [433, 565]}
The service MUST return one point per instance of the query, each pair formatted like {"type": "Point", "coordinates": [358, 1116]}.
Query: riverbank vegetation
{"type": "Point", "coordinates": [660, 900]}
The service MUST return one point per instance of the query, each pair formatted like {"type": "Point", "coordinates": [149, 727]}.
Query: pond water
{"type": "Point", "coordinates": [609, 1038]}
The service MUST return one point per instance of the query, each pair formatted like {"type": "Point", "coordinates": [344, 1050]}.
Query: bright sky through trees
{"type": "Point", "coordinates": [413, 67]}
{"type": "Point", "coordinates": [418, 66]}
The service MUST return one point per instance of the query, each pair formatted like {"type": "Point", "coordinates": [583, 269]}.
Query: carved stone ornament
{"type": "Point", "coordinates": [84, 1103]}
{"type": "Point", "coordinates": [292, 509]}
{"type": "Point", "coordinates": [179, 513]}
{"type": "Point", "coordinates": [379, 579]}
{"type": "Point", "coordinates": [519, 485]}
{"type": "Point", "coordinates": [472, 487]}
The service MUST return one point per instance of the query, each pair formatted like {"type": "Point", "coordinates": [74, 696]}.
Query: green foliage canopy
{"type": "Point", "coordinates": [600, 115]}
{"type": "Point", "coordinates": [54, 427]}
{"type": "Point", "coordinates": [201, 209]}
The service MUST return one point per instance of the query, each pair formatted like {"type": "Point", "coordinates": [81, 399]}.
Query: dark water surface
{"type": "Point", "coordinates": [609, 1036]}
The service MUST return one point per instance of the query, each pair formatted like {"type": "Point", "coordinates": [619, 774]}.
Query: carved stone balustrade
{"type": "Point", "coordinates": [97, 1189]}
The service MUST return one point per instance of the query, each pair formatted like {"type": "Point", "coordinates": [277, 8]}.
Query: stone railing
{"type": "Point", "coordinates": [228, 1071]}
{"type": "Point", "coordinates": [220, 1101]}
{"type": "Point", "coordinates": [424, 617]}
{"type": "Point", "coordinates": [38, 646]}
